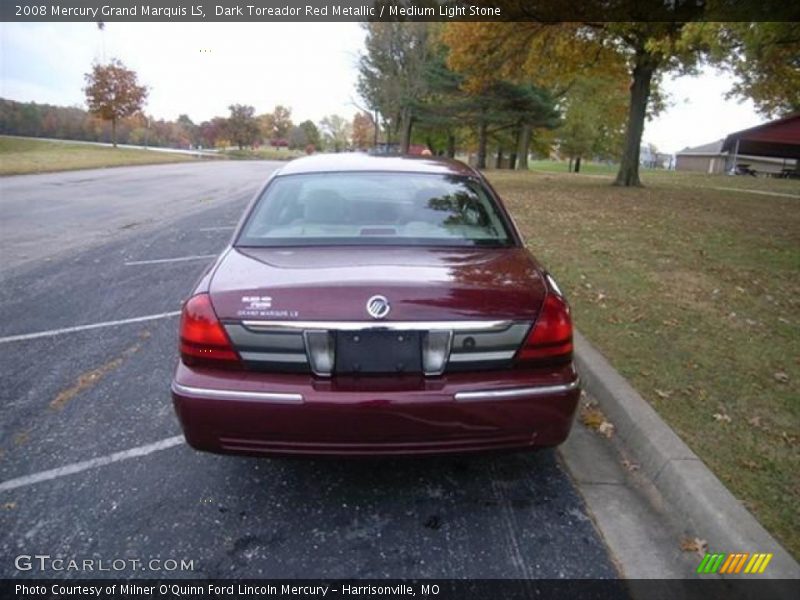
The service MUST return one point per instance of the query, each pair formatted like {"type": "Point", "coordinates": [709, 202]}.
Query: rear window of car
{"type": "Point", "coordinates": [375, 209]}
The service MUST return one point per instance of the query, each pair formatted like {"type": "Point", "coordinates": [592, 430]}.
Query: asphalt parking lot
{"type": "Point", "coordinates": [91, 462]}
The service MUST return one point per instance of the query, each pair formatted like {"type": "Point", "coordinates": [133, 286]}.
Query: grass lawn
{"type": "Point", "coordinates": [589, 168]}
{"type": "Point", "coordinates": [693, 293]}
{"type": "Point", "coordinates": [678, 178]}
{"type": "Point", "coordinates": [21, 155]}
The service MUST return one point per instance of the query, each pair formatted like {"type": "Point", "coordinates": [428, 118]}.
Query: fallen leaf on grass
{"type": "Point", "coordinates": [722, 417]}
{"type": "Point", "coordinates": [663, 394]}
{"type": "Point", "coordinates": [755, 421]}
{"type": "Point", "coordinates": [694, 544]}
{"type": "Point", "coordinates": [781, 377]}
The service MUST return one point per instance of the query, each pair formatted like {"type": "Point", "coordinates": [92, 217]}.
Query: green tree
{"type": "Point", "coordinates": [336, 132]}
{"type": "Point", "coordinates": [594, 119]}
{"type": "Point", "coordinates": [391, 73]}
{"type": "Point", "coordinates": [242, 125]}
{"type": "Point", "coordinates": [297, 138]}
{"type": "Point", "coordinates": [312, 133]}
{"type": "Point", "coordinates": [507, 112]}
{"type": "Point", "coordinates": [442, 112]}
{"type": "Point", "coordinates": [188, 129]}
{"type": "Point", "coordinates": [113, 93]}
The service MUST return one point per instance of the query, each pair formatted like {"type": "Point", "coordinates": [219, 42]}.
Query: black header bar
{"type": "Point", "coordinates": [397, 10]}
{"type": "Point", "coordinates": [393, 589]}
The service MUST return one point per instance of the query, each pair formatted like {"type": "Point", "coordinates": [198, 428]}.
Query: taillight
{"type": "Point", "coordinates": [551, 335]}
{"type": "Point", "coordinates": [203, 339]}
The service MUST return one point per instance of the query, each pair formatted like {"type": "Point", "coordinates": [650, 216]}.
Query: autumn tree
{"type": "Point", "coordinates": [763, 56]}
{"type": "Point", "coordinates": [242, 125]}
{"type": "Point", "coordinates": [277, 124]}
{"type": "Point", "coordinates": [550, 57]}
{"type": "Point", "coordinates": [363, 130]}
{"type": "Point", "coordinates": [113, 93]}
{"type": "Point", "coordinates": [213, 131]}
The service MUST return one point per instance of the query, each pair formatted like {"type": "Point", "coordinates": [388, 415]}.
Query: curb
{"type": "Point", "coordinates": [694, 495]}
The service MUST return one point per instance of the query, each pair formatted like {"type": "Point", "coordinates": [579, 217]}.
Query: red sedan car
{"type": "Point", "coordinates": [375, 306]}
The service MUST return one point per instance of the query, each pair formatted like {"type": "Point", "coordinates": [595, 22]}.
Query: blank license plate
{"type": "Point", "coordinates": [378, 352]}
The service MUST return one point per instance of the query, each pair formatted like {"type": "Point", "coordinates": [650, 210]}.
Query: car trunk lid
{"type": "Point", "coordinates": [335, 283]}
{"type": "Point", "coordinates": [307, 309]}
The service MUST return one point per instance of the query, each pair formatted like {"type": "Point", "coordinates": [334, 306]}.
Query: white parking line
{"type": "Point", "coordinates": [85, 465]}
{"type": "Point", "coordinates": [157, 261]}
{"type": "Point", "coordinates": [221, 228]}
{"type": "Point", "coordinates": [52, 332]}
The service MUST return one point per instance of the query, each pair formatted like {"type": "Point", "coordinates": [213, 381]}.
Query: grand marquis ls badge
{"type": "Point", "coordinates": [378, 307]}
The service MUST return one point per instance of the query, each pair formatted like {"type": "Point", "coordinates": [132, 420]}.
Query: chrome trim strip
{"type": "Point", "coordinates": [217, 394]}
{"type": "Point", "coordinates": [457, 357]}
{"type": "Point", "coordinates": [516, 392]}
{"type": "Point", "coordinates": [278, 357]}
{"type": "Point", "coordinates": [390, 325]}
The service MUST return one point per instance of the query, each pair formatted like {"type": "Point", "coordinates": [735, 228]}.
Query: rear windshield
{"type": "Point", "coordinates": [375, 209]}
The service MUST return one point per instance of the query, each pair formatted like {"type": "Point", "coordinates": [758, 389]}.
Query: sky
{"type": "Point", "coordinates": [201, 68]}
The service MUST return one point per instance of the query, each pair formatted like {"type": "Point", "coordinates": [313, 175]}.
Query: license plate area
{"type": "Point", "coordinates": [378, 352]}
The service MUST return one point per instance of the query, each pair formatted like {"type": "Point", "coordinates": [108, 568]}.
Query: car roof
{"type": "Point", "coordinates": [356, 161]}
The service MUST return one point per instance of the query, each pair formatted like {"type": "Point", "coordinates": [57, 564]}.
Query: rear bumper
{"type": "Point", "coordinates": [282, 414]}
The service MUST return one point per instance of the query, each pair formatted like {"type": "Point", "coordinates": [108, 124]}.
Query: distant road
{"type": "Point", "coordinates": [47, 215]}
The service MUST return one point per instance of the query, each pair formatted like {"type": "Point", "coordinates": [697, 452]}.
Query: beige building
{"type": "Point", "coordinates": [710, 158]}
{"type": "Point", "coordinates": [771, 148]}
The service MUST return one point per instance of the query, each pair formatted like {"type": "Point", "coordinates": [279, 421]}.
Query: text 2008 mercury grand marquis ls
{"type": "Point", "coordinates": [375, 306]}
